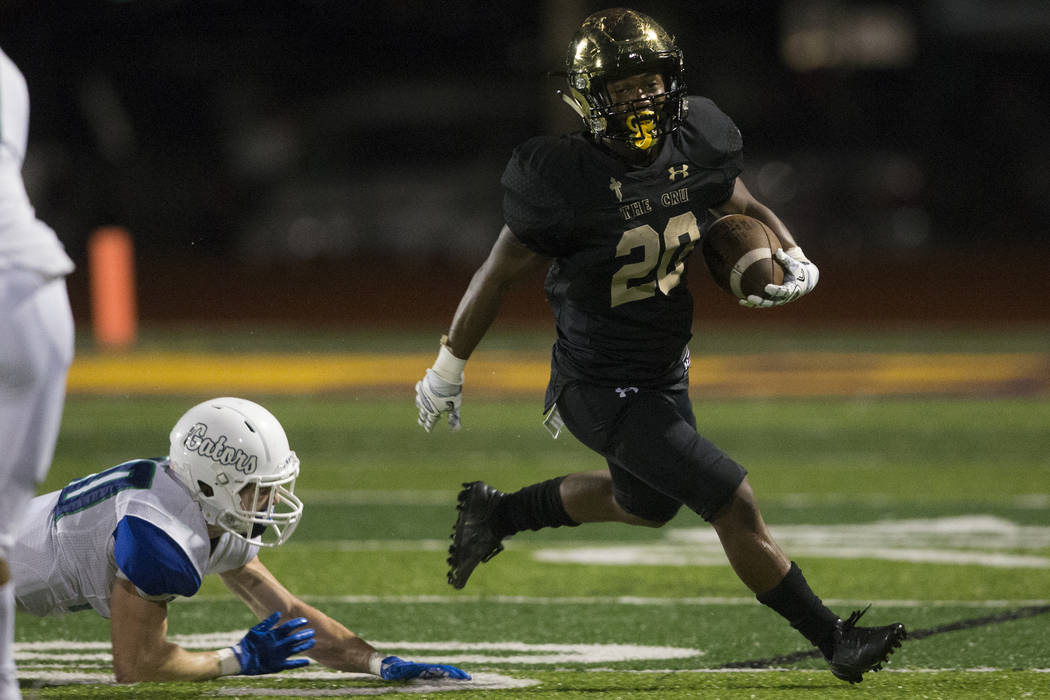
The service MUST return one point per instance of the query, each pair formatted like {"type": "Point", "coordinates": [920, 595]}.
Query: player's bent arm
{"type": "Point", "coordinates": [336, 646]}
{"type": "Point", "coordinates": [743, 202]}
{"type": "Point", "coordinates": [800, 275]}
{"type": "Point", "coordinates": [508, 261]}
{"type": "Point", "coordinates": [440, 391]}
{"type": "Point", "coordinates": [141, 651]}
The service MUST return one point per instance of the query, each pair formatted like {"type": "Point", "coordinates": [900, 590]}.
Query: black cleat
{"type": "Point", "coordinates": [473, 538]}
{"type": "Point", "coordinates": [858, 650]}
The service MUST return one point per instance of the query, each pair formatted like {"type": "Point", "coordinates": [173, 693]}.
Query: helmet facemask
{"type": "Point", "coordinates": [267, 510]}
{"type": "Point", "coordinates": [640, 122]}
{"type": "Point", "coordinates": [234, 458]}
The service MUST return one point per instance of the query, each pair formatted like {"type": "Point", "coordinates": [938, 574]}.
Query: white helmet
{"type": "Point", "coordinates": [234, 457]}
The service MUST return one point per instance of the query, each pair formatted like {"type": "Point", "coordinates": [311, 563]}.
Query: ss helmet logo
{"type": "Point", "coordinates": [641, 127]}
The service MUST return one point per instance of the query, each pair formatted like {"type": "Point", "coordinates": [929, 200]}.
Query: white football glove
{"type": "Point", "coordinates": [434, 397]}
{"type": "Point", "coordinates": [800, 277]}
{"type": "Point", "coordinates": [441, 391]}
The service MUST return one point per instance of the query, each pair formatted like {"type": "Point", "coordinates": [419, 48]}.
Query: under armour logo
{"type": "Point", "coordinates": [674, 172]}
{"type": "Point", "coordinates": [615, 186]}
{"type": "Point", "coordinates": [623, 391]}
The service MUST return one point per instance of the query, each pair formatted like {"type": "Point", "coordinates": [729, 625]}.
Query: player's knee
{"type": "Point", "coordinates": [740, 511]}
{"type": "Point", "coordinates": [28, 371]}
{"type": "Point", "coordinates": [647, 522]}
{"type": "Point", "coordinates": [654, 522]}
{"type": "Point", "coordinates": [745, 495]}
{"type": "Point", "coordinates": [650, 513]}
{"type": "Point", "coordinates": [34, 361]}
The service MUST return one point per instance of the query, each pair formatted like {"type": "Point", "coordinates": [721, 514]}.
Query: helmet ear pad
{"type": "Point", "coordinates": [225, 448]}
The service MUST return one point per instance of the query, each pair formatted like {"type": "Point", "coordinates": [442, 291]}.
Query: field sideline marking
{"type": "Point", "coordinates": [725, 375]}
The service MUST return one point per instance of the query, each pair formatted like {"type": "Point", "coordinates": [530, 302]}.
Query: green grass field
{"type": "Point", "coordinates": [934, 508]}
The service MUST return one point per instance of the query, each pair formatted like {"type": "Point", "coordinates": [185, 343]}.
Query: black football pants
{"type": "Point", "coordinates": [657, 459]}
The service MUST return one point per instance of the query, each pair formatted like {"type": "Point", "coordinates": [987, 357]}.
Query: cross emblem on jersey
{"type": "Point", "coordinates": [615, 186]}
{"type": "Point", "coordinates": [674, 172]}
{"type": "Point", "coordinates": [622, 391]}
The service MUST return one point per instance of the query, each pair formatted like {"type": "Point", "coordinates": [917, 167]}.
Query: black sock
{"type": "Point", "coordinates": [797, 603]}
{"type": "Point", "coordinates": [533, 508]}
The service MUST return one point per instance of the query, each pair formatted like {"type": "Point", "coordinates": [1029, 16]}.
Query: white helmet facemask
{"type": "Point", "coordinates": [234, 457]}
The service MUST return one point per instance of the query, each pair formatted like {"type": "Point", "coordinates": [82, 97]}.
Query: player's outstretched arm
{"type": "Point", "coordinates": [439, 392]}
{"type": "Point", "coordinates": [335, 645]}
{"type": "Point", "coordinates": [141, 651]}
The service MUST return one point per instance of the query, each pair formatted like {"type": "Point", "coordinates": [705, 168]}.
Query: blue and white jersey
{"type": "Point", "coordinates": [25, 241]}
{"type": "Point", "coordinates": [136, 521]}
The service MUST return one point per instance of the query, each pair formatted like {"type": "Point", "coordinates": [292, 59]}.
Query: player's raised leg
{"type": "Point", "coordinates": [763, 567]}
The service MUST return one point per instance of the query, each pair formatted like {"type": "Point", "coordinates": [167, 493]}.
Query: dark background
{"type": "Point", "coordinates": [339, 161]}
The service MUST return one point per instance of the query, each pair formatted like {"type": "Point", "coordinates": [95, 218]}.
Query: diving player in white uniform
{"type": "Point", "coordinates": [128, 540]}
{"type": "Point", "coordinates": [36, 345]}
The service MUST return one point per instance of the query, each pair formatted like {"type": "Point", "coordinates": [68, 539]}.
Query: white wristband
{"type": "Point", "coordinates": [448, 367]}
{"type": "Point", "coordinates": [229, 665]}
{"type": "Point", "coordinates": [375, 664]}
{"type": "Point", "coordinates": [796, 253]}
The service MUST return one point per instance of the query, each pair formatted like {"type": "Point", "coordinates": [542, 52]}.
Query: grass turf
{"type": "Point", "coordinates": [380, 500]}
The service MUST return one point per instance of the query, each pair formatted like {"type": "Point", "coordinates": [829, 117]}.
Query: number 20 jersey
{"type": "Point", "coordinates": [620, 235]}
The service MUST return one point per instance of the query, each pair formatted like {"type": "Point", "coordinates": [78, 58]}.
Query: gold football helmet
{"type": "Point", "coordinates": [615, 44]}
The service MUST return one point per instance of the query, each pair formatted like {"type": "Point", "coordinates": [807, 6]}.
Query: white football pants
{"type": "Point", "coordinates": [36, 349]}
{"type": "Point", "coordinates": [8, 677]}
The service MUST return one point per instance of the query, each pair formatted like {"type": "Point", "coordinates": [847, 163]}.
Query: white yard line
{"type": "Point", "coordinates": [479, 681]}
{"type": "Point", "coordinates": [438, 497]}
{"type": "Point", "coordinates": [393, 497]}
{"type": "Point", "coordinates": [627, 600]}
{"type": "Point", "coordinates": [975, 539]}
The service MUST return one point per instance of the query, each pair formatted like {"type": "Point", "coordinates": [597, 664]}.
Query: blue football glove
{"type": "Point", "coordinates": [395, 669]}
{"type": "Point", "coordinates": [265, 649]}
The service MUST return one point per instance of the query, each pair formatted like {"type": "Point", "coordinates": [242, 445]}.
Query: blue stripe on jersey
{"type": "Point", "coordinates": [152, 560]}
{"type": "Point", "coordinates": [93, 489]}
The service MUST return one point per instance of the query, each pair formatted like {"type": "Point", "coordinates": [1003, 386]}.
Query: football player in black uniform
{"type": "Point", "coordinates": [615, 211]}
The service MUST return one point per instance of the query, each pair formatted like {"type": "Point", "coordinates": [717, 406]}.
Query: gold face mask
{"type": "Point", "coordinates": [640, 126]}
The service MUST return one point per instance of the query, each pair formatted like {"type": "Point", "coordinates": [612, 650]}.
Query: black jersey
{"type": "Point", "coordinates": [620, 236]}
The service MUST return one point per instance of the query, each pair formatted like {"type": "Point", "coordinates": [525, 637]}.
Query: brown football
{"type": "Point", "coordinates": [738, 251]}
